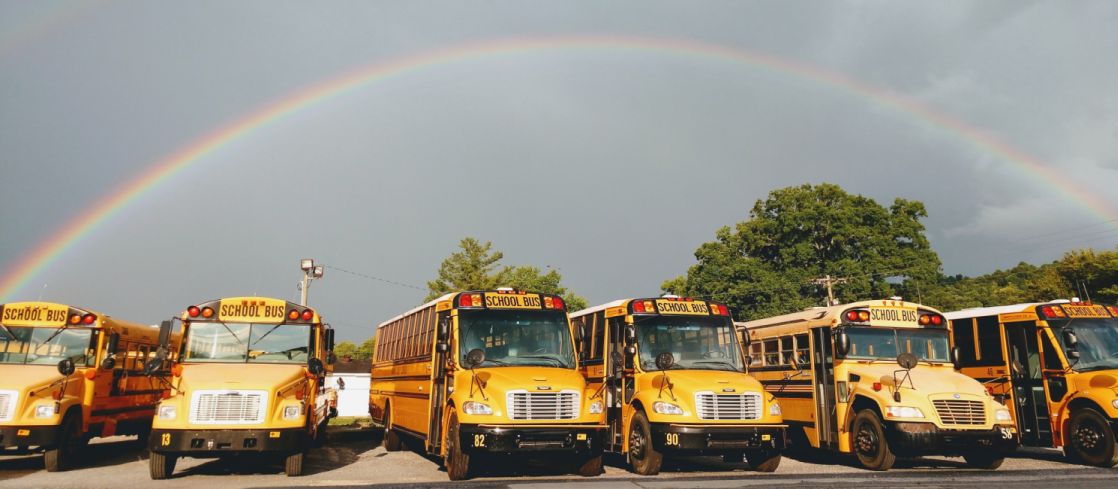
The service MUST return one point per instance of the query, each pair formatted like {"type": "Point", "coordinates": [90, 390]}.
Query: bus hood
{"type": "Point", "coordinates": [503, 379]}
{"type": "Point", "coordinates": [929, 380]}
{"type": "Point", "coordinates": [1101, 379]}
{"type": "Point", "coordinates": [691, 381]}
{"type": "Point", "coordinates": [21, 377]}
{"type": "Point", "coordinates": [225, 376]}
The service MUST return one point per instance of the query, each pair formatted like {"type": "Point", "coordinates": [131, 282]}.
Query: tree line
{"type": "Point", "coordinates": [771, 263]}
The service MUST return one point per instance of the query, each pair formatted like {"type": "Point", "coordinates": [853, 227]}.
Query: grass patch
{"type": "Point", "coordinates": [353, 421]}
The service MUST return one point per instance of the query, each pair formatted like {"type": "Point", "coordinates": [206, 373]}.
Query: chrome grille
{"type": "Point", "coordinates": [7, 404]}
{"type": "Point", "coordinates": [542, 405]}
{"type": "Point", "coordinates": [228, 407]}
{"type": "Point", "coordinates": [960, 412]}
{"type": "Point", "coordinates": [728, 406]}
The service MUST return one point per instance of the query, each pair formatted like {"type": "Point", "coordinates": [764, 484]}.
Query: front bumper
{"type": "Point", "coordinates": [202, 443]}
{"type": "Point", "coordinates": [509, 439]}
{"type": "Point", "coordinates": [926, 438]}
{"type": "Point", "coordinates": [714, 438]}
{"type": "Point", "coordinates": [28, 436]}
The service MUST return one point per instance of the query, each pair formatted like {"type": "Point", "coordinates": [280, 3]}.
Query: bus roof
{"type": "Point", "coordinates": [824, 313]}
{"type": "Point", "coordinates": [417, 308]}
{"type": "Point", "coordinates": [601, 307]}
{"type": "Point", "coordinates": [995, 310]}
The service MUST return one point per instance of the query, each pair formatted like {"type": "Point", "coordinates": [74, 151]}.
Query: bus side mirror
{"type": "Point", "coordinates": [155, 364]}
{"type": "Point", "coordinates": [630, 334]}
{"type": "Point", "coordinates": [748, 360]}
{"type": "Point", "coordinates": [316, 367]}
{"type": "Point", "coordinates": [66, 367]}
{"type": "Point", "coordinates": [956, 358]}
{"type": "Point", "coordinates": [618, 366]}
{"type": "Point", "coordinates": [111, 344]}
{"type": "Point", "coordinates": [842, 344]}
{"type": "Point", "coordinates": [330, 340]}
{"type": "Point", "coordinates": [474, 358]}
{"type": "Point", "coordinates": [444, 328]}
{"type": "Point", "coordinates": [331, 358]}
{"type": "Point", "coordinates": [1071, 341]}
{"type": "Point", "coordinates": [165, 334]}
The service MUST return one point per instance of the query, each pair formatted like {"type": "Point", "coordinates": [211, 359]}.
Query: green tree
{"type": "Point", "coordinates": [344, 349]}
{"type": "Point", "coordinates": [473, 268]}
{"type": "Point", "coordinates": [764, 266]}
{"type": "Point", "coordinates": [368, 347]}
{"type": "Point", "coordinates": [477, 267]}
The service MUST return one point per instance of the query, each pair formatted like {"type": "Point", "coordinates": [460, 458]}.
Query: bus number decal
{"type": "Point", "coordinates": [479, 441]}
{"type": "Point", "coordinates": [165, 440]}
{"type": "Point", "coordinates": [671, 439]}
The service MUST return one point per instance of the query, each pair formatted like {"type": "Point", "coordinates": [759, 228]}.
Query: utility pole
{"type": "Point", "coordinates": [829, 281]}
{"type": "Point", "coordinates": [310, 272]}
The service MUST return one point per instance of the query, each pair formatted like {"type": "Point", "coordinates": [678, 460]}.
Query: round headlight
{"type": "Point", "coordinates": [291, 412]}
{"type": "Point", "coordinates": [475, 408]}
{"type": "Point", "coordinates": [44, 411]}
{"type": "Point", "coordinates": [167, 412]}
{"type": "Point", "coordinates": [595, 407]}
{"type": "Point", "coordinates": [774, 409]}
{"type": "Point", "coordinates": [1002, 415]}
{"type": "Point", "coordinates": [666, 408]}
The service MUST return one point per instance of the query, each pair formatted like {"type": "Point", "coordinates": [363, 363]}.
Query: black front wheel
{"type": "Point", "coordinates": [643, 456]}
{"type": "Point", "coordinates": [764, 460]}
{"type": "Point", "coordinates": [1090, 439]}
{"type": "Point", "coordinates": [61, 457]}
{"type": "Point", "coordinates": [869, 441]}
{"type": "Point", "coordinates": [161, 466]}
{"type": "Point", "coordinates": [457, 461]}
{"type": "Point", "coordinates": [984, 460]}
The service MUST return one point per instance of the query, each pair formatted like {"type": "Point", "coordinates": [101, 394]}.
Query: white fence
{"type": "Point", "coordinates": [354, 399]}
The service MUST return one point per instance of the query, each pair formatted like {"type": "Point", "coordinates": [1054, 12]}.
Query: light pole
{"type": "Point", "coordinates": [310, 272]}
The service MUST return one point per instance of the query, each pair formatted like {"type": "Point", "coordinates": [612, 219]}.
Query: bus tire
{"type": "Point", "coordinates": [763, 460]}
{"type": "Point", "coordinates": [589, 465]}
{"type": "Point", "coordinates": [61, 456]}
{"type": "Point", "coordinates": [457, 461]}
{"type": "Point", "coordinates": [1090, 440]}
{"type": "Point", "coordinates": [643, 456]}
{"type": "Point", "coordinates": [161, 465]}
{"type": "Point", "coordinates": [984, 460]}
{"type": "Point", "coordinates": [869, 444]}
{"type": "Point", "coordinates": [391, 439]}
{"type": "Point", "coordinates": [293, 464]}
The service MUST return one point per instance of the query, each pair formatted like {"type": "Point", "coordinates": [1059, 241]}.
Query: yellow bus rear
{"type": "Point", "coordinates": [1054, 365]}
{"type": "Point", "coordinates": [876, 379]}
{"type": "Point", "coordinates": [250, 378]}
{"type": "Point", "coordinates": [68, 375]}
{"type": "Point", "coordinates": [480, 375]}
{"type": "Point", "coordinates": [672, 373]}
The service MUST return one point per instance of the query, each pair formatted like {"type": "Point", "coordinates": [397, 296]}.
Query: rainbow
{"type": "Point", "coordinates": [81, 226]}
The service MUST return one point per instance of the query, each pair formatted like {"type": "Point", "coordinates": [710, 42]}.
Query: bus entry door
{"type": "Point", "coordinates": [823, 383]}
{"type": "Point", "coordinates": [1028, 385]}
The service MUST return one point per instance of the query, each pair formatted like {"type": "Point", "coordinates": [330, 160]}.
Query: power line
{"type": "Point", "coordinates": [378, 279]}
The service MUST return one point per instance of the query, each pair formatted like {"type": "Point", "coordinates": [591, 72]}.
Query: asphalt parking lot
{"type": "Point", "coordinates": [355, 458]}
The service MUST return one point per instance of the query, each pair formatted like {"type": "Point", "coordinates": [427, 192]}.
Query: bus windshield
{"type": "Point", "coordinates": [245, 342]}
{"type": "Point", "coordinates": [696, 343]}
{"type": "Point", "coordinates": [929, 345]}
{"type": "Point", "coordinates": [1098, 342]}
{"type": "Point", "coordinates": [47, 346]}
{"type": "Point", "coordinates": [517, 338]}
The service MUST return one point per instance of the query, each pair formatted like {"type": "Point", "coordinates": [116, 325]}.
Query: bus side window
{"type": "Point", "coordinates": [755, 353]}
{"type": "Point", "coordinates": [802, 349]}
{"type": "Point", "coordinates": [786, 350]}
{"type": "Point", "coordinates": [963, 334]}
{"type": "Point", "coordinates": [772, 353]}
{"type": "Point", "coordinates": [990, 351]}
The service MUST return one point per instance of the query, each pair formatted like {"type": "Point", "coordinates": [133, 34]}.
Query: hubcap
{"type": "Point", "coordinates": [636, 443]}
{"type": "Point", "coordinates": [866, 441]}
{"type": "Point", "coordinates": [1088, 437]}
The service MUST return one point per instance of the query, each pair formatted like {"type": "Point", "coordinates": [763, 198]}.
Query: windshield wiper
{"type": "Point", "coordinates": [11, 334]}
{"type": "Point", "coordinates": [231, 332]}
{"type": "Point", "coordinates": [496, 362]}
{"type": "Point", "coordinates": [720, 362]}
{"type": "Point", "coordinates": [53, 336]}
{"type": "Point", "coordinates": [258, 340]}
{"type": "Point", "coordinates": [558, 362]}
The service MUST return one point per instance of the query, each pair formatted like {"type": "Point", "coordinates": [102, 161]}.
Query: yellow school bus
{"type": "Point", "coordinates": [877, 379]}
{"type": "Point", "coordinates": [674, 378]}
{"type": "Point", "coordinates": [1055, 365]}
{"type": "Point", "coordinates": [69, 374]}
{"type": "Point", "coordinates": [250, 377]}
{"type": "Point", "coordinates": [478, 374]}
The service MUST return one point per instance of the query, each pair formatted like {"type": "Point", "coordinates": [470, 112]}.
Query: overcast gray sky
{"type": "Point", "coordinates": [611, 165]}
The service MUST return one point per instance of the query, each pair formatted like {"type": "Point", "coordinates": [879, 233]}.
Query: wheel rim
{"type": "Point", "coordinates": [636, 443]}
{"type": "Point", "coordinates": [1089, 437]}
{"type": "Point", "coordinates": [866, 441]}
